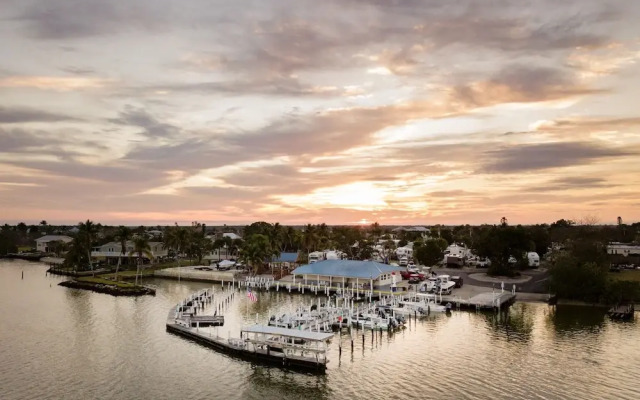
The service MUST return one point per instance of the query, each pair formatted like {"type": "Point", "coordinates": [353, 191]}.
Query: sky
{"type": "Point", "coordinates": [341, 111]}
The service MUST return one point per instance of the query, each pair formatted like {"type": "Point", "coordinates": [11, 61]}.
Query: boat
{"type": "Point", "coordinates": [622, 312]}
{"type": "Point", "coordinates": [444, 284]}
{"type": "Point", "coordinates": [374, 321]}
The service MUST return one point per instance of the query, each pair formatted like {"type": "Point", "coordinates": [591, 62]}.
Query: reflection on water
{"type": "Point", "coordinates": [567, 319]}
{"type": "Point", "coordinates": [515, 323]}
{"type": "Point", "coordinates": [274, 383]}
{"type": "Point", "coordinates": [63, 343]}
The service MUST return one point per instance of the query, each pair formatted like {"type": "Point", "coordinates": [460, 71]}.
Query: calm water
{"type": "Point", "coordinates": [58, 343]}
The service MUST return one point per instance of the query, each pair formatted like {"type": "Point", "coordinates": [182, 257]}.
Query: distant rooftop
{"type": "Point", "coordinates": [346, 268]}
{"type": "Point", "coordinates": [286, 257]}
{"type": "Point", "coordinates": [295, 333]}
{"type": "Point", "coordinates": [52, 238]}
{"type": "Point", "coordinates": [411, 229]}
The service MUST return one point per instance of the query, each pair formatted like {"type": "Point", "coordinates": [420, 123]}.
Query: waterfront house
{"type": "Point", "coordinates": [348, 273]}
{"type": "Point", "coordinates": [283, 264]}
{"type": "Point", "coordinates": [42, 244]}
{"type": "Point", "coordinates": [110, 252]}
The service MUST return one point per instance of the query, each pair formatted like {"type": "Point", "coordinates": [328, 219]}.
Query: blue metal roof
{"type": "Point", "coordinates": [346, 268]}
{"type": "Point", "coordinates": [286, 257]}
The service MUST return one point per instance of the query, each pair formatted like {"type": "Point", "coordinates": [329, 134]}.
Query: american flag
{"type": "Point", "coordinates": [252, 296]}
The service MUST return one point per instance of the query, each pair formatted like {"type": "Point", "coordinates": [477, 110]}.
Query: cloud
{"type": "Point", "coordinates": [141, 118]}
{"type": "Point", "coordinates": [62, 84]}
{"type": "Point", "coordinates": [518, 83]}
{"type": "Point", "coordinates": [69, 19]}
{"type": "Point", "coordinates": [16, 115]}
{"type": "Point", "coordinates": [575, 182]}
{"type": "Point", "coordinates": [537, 157]}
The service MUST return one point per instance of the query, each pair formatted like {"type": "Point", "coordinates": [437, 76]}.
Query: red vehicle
{"type": "Point", "coordinates": [412, 275]}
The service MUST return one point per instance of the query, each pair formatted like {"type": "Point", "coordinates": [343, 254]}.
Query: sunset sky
{"type": "Point", "coordinates": [336, 111]}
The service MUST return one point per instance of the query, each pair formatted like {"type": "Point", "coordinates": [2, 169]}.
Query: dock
{"type": "Point", "coordinates": [481, 301]}
{"type": "Point", "coordinates": [288, 348]}
{"type": "Point", "coordinates": [622, 312]}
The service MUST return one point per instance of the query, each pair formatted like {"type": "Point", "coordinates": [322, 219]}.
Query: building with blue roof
{"type": "Point", "coordinates": [349, 273]}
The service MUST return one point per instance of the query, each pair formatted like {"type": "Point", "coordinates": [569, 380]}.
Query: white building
{"type": "Point", "coordinates": [42, 244]}
{"type": "Point", "coordinates": [624, 249]}
{"type": "Point", "coordinates": [231, 235]}
{"type": "Point", "coordinates": [110, 252]}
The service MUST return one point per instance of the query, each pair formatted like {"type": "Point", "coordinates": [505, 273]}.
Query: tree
{"type": "Point", "coordinates": [123, 235]}
{"type": "Point", "coordinates": [572, 279]}
{"type": "Point", "coordinates": [499, 244]}
{"type": "Point", "coordinates": [431, 252]}
{"type": "Point", "coordinates": [177, 239]}
{"type": "Point", "coordinates": [87, 233]}
{"type": "Point", "coordinates": [256, 251]}
{"type": "Point", "coordinates": [141, 248]}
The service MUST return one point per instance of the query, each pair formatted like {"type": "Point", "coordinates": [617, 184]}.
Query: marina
{"type": "Point", "coordinates": [531, 348]}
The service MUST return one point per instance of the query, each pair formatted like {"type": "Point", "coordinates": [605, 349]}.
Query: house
{"type": "Point", "coordinates": [284, 263]}
{"type": "Point", "coordinates": [231, 235]}
{"type": "Point", "coordinates": [110, 252]}
{"type": "Point", "coordinates": [42, 244]}
{"type": "Point", "coordinates": [349, 273]}
{"type": "Point", "coordinates": [624, 249]}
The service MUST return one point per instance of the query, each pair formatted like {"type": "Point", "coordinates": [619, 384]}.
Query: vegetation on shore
{"type": "Point", "coordinates": [575, 253]}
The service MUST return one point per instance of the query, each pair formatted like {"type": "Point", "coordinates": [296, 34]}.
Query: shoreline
{"type": "Point", "coordinates": [108, 289]}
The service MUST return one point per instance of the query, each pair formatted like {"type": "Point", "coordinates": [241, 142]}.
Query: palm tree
{"type": "Point", "coordinates": [87, 233]}
{"type": "Point", "coordinates": [177, 238]}
{"type": "Point", "coordinates": [141, 248]}
{"type": "Point", "coordinates": [257, 250]}
{"type": "Point", "coordinates": [123, 235]}
{"type": "Point", "coordinates": [309, 238]}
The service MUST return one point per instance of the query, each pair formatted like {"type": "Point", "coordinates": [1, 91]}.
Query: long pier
{"type": "Point", "coordinates": [287, 353]}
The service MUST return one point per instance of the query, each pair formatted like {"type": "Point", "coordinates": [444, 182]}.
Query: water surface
{"type": "Point", "coordinates": [59, 343]}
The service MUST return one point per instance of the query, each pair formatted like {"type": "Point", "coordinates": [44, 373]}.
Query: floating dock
{"type": "Point", "coordinates": [289, 348]}
{"type": "Point", "coordinates": [622, 312]}
{"type": "Point", "coordinates": [481, 301]}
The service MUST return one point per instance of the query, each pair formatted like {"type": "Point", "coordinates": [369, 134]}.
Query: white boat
{"type": "Point", "coordinates": [444, 284]}
{"type": "Point", "coordinates": [372, 321]}
{"type": "Point", "coordinates": [431, 302]}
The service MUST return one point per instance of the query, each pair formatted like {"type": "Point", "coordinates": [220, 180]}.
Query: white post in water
{"type": "Point", "coordinates": [514, 289]}
{"type": "Point", "coordinates": [502, 286]}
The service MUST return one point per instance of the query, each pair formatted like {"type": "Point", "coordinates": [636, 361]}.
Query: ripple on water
{"type": "Point", "coordinates": [78, 345]}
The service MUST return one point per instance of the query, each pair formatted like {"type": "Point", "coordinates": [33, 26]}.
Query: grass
{"type": "Point", "coordinates": [99, 280]}
{"type": "Point", "coordinates": [147, 270]}
{"type": "Point", "coordinates": [632, 275]}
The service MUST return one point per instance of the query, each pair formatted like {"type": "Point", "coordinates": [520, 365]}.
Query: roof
{"type": "Point", "coordinates": [231, 235]}
{"type": "Point", "coordinates": [286, 257]}
{"type": "Point", "coordinates": [411, 229]}
{"type": "Point", "coordinates": [346, 268]}
{"type": "Point", "coordinates": [273, 330]}
{"type": "Point", "coordinates": [51, 238]}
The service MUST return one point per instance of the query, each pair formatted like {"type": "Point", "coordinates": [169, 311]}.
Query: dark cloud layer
{"type": "Point", "coordinates": [141, 118]}
{"type": "Point", "coordinates": [536, 157]}
{"type": "Point", "coordinates": [23, 115]}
